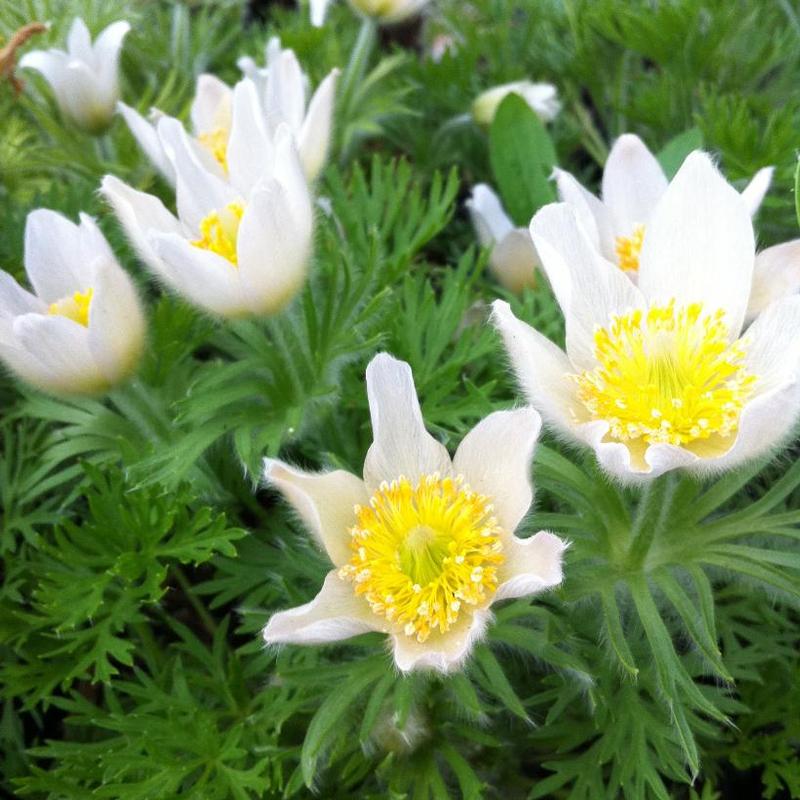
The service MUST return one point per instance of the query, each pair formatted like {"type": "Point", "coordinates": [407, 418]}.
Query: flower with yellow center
{"type": "Point", "coordinates": [633, 185]}
{"type": "Point", "coordinates": [81, 330]}
{"type": "Point", "coordinates": [423, 545]}
{"type": "Point", "coordinates": [219, 231]}
{"type": "Point", "coordinates": [660, 375]}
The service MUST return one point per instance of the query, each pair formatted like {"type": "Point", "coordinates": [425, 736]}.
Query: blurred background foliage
{"type": "Point", "coordinates": [140, 558]}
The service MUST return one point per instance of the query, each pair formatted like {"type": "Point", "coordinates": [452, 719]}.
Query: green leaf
{"type": "Point", "coordinates": [672, 155]}
{"type": "Point", "coordinates": [522, 157]}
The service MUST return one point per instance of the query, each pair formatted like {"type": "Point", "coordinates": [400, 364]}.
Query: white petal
{"type": "Point", "coordinates": [335, 613]}
{"type": "Point", "coordinates": [285, 99]}
{"type": "Point", "coordinates": [592, 214]}
{"type": "Point", "coordinates": [401, 445]}
{"type": "Point", "coordinates": [203, 277]}
{"type": "Point", "coordinates": [62, 347]}
{"type": "Point", "coordinates": [106, 51]}
{"type": "Point", "coordinates": [289, 173]}
{"type": "Point", "coordinates": [495, 460]}
{"type": "Point", "coordinates": [140, 214]}
{"type": "Point", "coordinates": [319, 9]}
{"type": "Point", "coordinates": [542, 98]}
{"type": "Point", "coordinates": [53, 256]}
{"type": "Point", "coordinates": [273, 250]}
{"type": "Point", "coordinates": [251, 154]}
{"type": "Point", "coordinates": [699, 245]}
{"type": "Point", "coordinates": [773, 345]}
{"type": "Point", "coordinates": [79, 41]}
{"type": "Point", "coordinates": [588, 288]}
{"type": "Point", "coordinates": [755, 191]}
{"type": "Point", "coordinates": [51, 64]}
{"type": "Point", "coordinates": [314, 138]}
{"type": "Point", "coordinates": [116, 322]}
{"type": "Point", "coordinates": [211, 107]}
{"type": "Point", "coordinates": [85, 99]}
{"type": "Point", "coordinates": [633, 183]}
{"type": "Point", "coordinates": [14, 300]}
{"type": "Point", "coordinates": [542, 369]}
{"type": "Point", "coordinates": [513, 260]}
{"type": "Point", "coordinates": [147, 138]}
{"type": "Point", "coordinates": [441, 652]}
{"type": "Point", "coordinates": [776, 275]}
{"type": "Point", "coordinates": [531, 565]}
{"type": "Point", "coordinates": [491, 222]}
{"type": "Point", "coordinates": [325, 502]}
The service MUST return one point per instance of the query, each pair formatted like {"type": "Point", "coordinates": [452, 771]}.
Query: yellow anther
{"type": "Point", "coordinates": [629, 248]}
{"type": "Point", "coordinates": [74, 307]}
{"type": "Point", "coordinates": [219, 231]}
{"type": "Point", "coordinates": [216, 142]}
{"type": "Point", "coordinates": [668, 375]}
{"type": "Point", "coordinates": [428, 549]}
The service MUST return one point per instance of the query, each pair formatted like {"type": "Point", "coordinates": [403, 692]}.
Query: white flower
{"type": "Point", "coordinates": [633, 184]}
{"type": "Point", "coordinates": [211, 127]}
{"type": "Point", "coordinates": [85, 78]}
{"type": "Point", "coordinates": [658, 377]}
{"type": "Point", "coordinates": [423, 545]}
{"type": "Point", "coordinates": [513, 258]}
{"type": "Point", "coordinates": [238, 246]}
{"type": "Point", "coordinates": [776, 275]}
{"type": "Point", "coordinates": [384, 11]}
{"type": "Point", "coordinates": [542, 99]}
{"type": "Point", "coordinates": [82, 330]}
{"type": "Point", "coordinates": [283, 89]}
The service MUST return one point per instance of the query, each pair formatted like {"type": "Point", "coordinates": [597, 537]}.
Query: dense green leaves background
{"type": "Point", "coordinates": [140, 558]}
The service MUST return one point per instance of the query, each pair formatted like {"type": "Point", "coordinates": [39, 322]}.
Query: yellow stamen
{"type": "Point", "coordinates": [424, 554]}
{"type": "Point", "coordinates": [74, 307]}
{"type": "Point", "coordinates": [629, 248]}
{"type": "Point", "coordinates": [216, 142]}
{"type": "Point", "coordinates": [667, 375]}
{"type": "Point", "coordinates": [219, 230]}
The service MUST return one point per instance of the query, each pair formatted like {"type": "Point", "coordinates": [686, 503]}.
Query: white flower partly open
{"type": "Point", "coordinates": [283, 92]}
{"type": "Point", "coordinates": [387, 12]}
{"type": "Point", "coordinates": [85, 77]}
{"type": "Point", "coordinates": [423, 545]}
{"type": "Point", "coordinates": [659, 376]}
{"type": "Point", "coordinates": [542, 99]}
{"type": "Point", "coordinates": [513, 258]}
{"type": "Point", "coordinates": [633, 185]}
{"type": "Point", "coordinates": [237, 246]}
{"type": "Point", "coordinates": [210, 115]}
{"type": "Point", "coordinates": [82, 330]}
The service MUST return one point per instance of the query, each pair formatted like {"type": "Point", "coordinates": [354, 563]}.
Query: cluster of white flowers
{"type": "Point", "coordinates": [682, 342]}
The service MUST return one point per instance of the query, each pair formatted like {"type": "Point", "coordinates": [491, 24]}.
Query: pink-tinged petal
{"type": "Point", "coordinates": [325, 502]}
{"type": "Point", "coordinates": [531, 565]}
{"type": "Point", "coordinates": [401, 444]}
{"type": "Point", "coordinates": [495, 460]}
{"type": "Point", "coordinates": [336, 613]}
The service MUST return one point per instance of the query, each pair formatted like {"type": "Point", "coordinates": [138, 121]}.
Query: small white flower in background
{"type": "Point", "coordinates": [283, 90]}
{"type": "Point", "coordinates": [387, 12]}
{"type": "Point", "coordinates": [85, 78]}
{"type": "Point", "coordinates": [513, 258]}
{"type": "Point", "coordinates": [542, 99]}
{"type": "Point", "coordinates": [82, 329]}
{"type": "Point", "coordinates": [633, 184]}
{"type": "Point", "coordinates": [659, 376]}
{"type": "Point", "coordinates": [237, 246]}
{"type": "Point", "coordinates": [210, 115]}
{"type": "Point", "coordinates": [423, 545]}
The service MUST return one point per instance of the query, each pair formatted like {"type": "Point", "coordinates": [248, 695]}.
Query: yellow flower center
{"type": "Point", "coordinates": [422, 553]}
{"type": "Point", "coordinates": [75, 307]}
{"type": "Point", "coordinates": [629, 248]}
{"type": "Point", "coordinates": [219, 230]}
{"type": "Point", "coordinates": [667, 375]}
{"type": "Point", "coordinates": [216, 142]}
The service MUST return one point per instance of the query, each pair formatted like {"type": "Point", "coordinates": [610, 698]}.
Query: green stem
{"type": "Point", "coordinates": [208, 621]}
{"type": "Point", "coordinates": [651, 518]}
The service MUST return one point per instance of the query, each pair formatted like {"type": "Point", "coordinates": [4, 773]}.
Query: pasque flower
{"type": "Point", "coordinates": [659, 376]}
{"type": "Point", "coordinates": [423, 545]}
{"type": "Point", "coordinates": [85, 78]}
{"type": "Point", "coordinates": [542, 99]}
{"type": "Point", "coordinates": [237, 246]}
{"type": "Point", "coordinates": [513, 258]}
{"type": "Point", "coordinates": [280, 99]}
{"type": "Point", "coordinates": [82, 329]}
{"type": "Point", "coordinates": [384, 11]}
{"type": "Point", "coordinates": [633, 184]}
